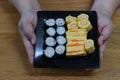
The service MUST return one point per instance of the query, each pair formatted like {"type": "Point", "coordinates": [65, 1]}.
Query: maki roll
{"type": "Point", "coordinates": [89, 45]}
{"type": "Point", "coordinates": [50, 41]}
{"type": "Point", "coordinates": [60, 30]}
{"type": "Point", "coordinates": [76, 33]}
{"type": "Point", "coordinates": [82, 17]}
{"type": "Point", "coordinates": [50, 31]}
{"type": "Point", "coordinates": [60, 21]}
{"type": "Point", "coordinates": [50, 22]}
{"type": "Point", "coordinates": [70, 19]}
{"type": "Point", "coordinates": [85, 24]}
{"type": "Point", "coordinates": [61, 40]}
{"type": "Point", "coordinates": [72, 25]}
{"type": "Point", "coordinates": [49, 52]}
{"type": "Point", "coordinates": [60, 49]}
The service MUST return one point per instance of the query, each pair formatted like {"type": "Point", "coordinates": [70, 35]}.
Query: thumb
{"type": "Point", "coordinates": [33, 38]}
{"type": "Point", "coordinates": [28, 31]}
{"type": "Point", "coordinates": [105, 34]}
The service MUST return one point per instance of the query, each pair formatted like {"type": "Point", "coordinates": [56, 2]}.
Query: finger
{"type": "Point", "coordinates": [100, 40]}
{"type": "Point", "coordinates": [33, 38]}
{"type": "Point", "coordinates": [100, 26]}
{"type": "Point", "coordinates": [28, 31]}
{"type": "Point", "coordinates": [34, 22]}
{"type": "Point", "coordinates": [102, 48]}
{"type": "Point", "coordinates": [106, 32]}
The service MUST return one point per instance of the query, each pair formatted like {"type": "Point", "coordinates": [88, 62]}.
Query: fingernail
{"type": "Point", "coordinates": [32, 41]}
{"type": "Point", "coordinates": [101, 40]}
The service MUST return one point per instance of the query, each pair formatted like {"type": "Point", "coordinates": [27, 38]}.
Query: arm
{"type": "Point", "coordinates": [27, 24]}
{"type": "Point", "coordinates": [105, 9]}
{"type": "Point", "coordinates": [25, 5]}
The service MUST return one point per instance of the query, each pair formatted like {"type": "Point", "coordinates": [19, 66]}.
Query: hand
{"type": "Point", "coordinates": [27, 25]}
{"type": "Point", "coordinates": [105, 29]}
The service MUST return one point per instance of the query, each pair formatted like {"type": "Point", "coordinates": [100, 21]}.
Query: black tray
{"type": "Point", "coordinates": [89, 61]}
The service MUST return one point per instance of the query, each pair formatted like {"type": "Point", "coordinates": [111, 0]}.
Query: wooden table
{"type": "Point", "coordinates": [14, 63]}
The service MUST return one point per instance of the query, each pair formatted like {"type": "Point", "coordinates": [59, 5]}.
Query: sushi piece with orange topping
{"type": "Point", "coordinates": [76, 41]}
{"type": "Point", "coordinates": [76, 32]}
{"type": "Point", "coordinates": [75, 47]}
{"type": "Point", "coordinates": [76, 53]}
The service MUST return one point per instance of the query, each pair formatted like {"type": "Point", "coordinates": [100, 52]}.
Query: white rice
{"type": "Point", "coordinates": [50, 22]}
{"type": "Point", "coordinates": [49, 52]}
{"type": "Point", "coordinates": [60, 30]}
{"type": "Point", "coordinates": [61, 40]}
{"type": "Point", "coordinates": [60, 22]}
{"type": "Point", "coordinates": [50, 41]}
{"type": "Point", "coordinates": [51, 31]}
{"type": "Point", "coordinates": [60, 49]}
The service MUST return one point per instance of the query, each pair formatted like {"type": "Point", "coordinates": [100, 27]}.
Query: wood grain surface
{"type": "Point", "coordinates": [14, 63]}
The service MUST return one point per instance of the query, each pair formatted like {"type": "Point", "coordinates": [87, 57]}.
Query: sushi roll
{"type": "Point", "coordinates": [49, 52]}
{"type": "Point", "coordinates": [76, 32]}
{"type": "Point", "coordinates": [60, 30]}
{"type": "Point", "coordinates": [50, 22]}
{"type": "Point", "coordinates": [79, 34]}
{"type": "Point", "coordinates": [76, 53]}
{"type": "Point", "coordinates": [89, 45]}
{"type": "Point", "coordinates": [70, 19]}
{"type": "Point", "coordinates": [60, 21]}
{"type": "Point", "coordinates": [72, 25]}
{"type": "Point", "coordinates": [60, 49]}
{"type": "Point", "coordinates": [61, 40]}
{"type": "Point", "coordinates": [85, 24]}
{"type": "Point", "coordinates": [50, 41]}
{"type": "Point", "coordinates": [82, 17]}
{"type": "Point", "coordinates": [50, 31]}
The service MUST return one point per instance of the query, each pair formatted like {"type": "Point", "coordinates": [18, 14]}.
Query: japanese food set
{"type": "Point", "coordinates": [67, 39]}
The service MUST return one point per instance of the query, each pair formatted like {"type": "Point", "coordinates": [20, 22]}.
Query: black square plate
{"type": "Point", "coordinates": [89, 61]}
